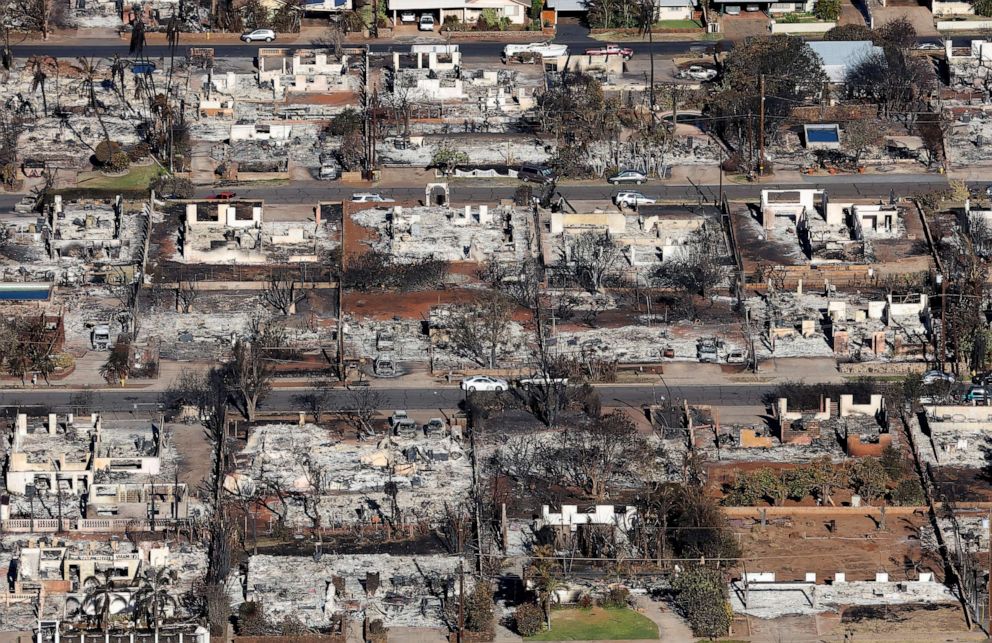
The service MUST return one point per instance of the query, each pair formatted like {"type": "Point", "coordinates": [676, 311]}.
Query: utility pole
{"type": "Point", "coordinates": [761, 127]}
{"type": "Point", "coordinates": [461, 601]}
{"type": "Point", "coordinates": [943, 322]}
{"type": "Point", "coordinates": [988, 614]}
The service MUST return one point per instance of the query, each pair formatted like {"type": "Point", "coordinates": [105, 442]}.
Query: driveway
{"type": "Point", "coordinates": [921, 18]}
{"type": "Point", "coordinates": [747, 24]}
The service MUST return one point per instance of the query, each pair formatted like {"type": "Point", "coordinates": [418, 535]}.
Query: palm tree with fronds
{"type": "Point", "coordinates": [154, 595]}
{"type": "Point", "coordinates": [545, 571]}
{"type": "Point", "coordinates": [99, 594]}
{"type": "Point", "coordinates": [88, 68]}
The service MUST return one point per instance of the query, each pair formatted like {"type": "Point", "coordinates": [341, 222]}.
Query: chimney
{"type": "Point", "coordinates": [70, 419]}
{"type": "Point", "coordinates": [316, 215]}
{"type": "Point", "coordinates": [22, 424]}
{"type": "Point", "coordinates": [93, 417]}
{"type": "Point", "coordinates": [53, 423]}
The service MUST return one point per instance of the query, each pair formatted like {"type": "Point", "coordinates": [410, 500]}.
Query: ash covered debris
{"type": "Point", "coordinates": [404, 591]}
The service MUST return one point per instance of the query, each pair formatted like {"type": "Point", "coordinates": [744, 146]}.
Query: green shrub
{"type": "Point", "coordinates": [616, 597]}
{"type": "Point", "coordinates": [105, 151]}
{"type": "Point", "coordinates": [828, 10]}
{"type": "Point", "coordinates": [528, 619]}
{"type": "Point", "coordinates": [908, 493]}
{"type": "Point", "coordinates": [119, 162]}
{"type": "Point", "coordinates": [492, 20]}
{"type": "Point", "coordinates": [701, 596]}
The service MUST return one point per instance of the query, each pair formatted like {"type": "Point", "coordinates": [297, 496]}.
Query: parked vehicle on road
{"type": "Point", "coordinates": [611, 50]}
{"type": "Point", "coordinates": [631, 199]}
{"type": "Point", "coordinates": [533, 173]}
{"type": "Point", "coordinates": [928, 46]}
{"type": "Point", "coordinates": [541, 380]}
{"type": "Point", "coordinates": [543, 49]}
{"type": "Point", "coordinates": [259, 34]}
{"type": "Point", "coordinates": [976, 394]}
{"type": "Point", "coordinates": [628, 176]}
{"type": "Point", "coordinates": [698, 72]}
{"type": "Point", "coordinates": [224, 195]}
{"type": "Point", "coordinates": [932, 377]}
{"type": "Point", "coordinates": [484, 383]}
{"type": "Point", "coordinates": [370, 197]}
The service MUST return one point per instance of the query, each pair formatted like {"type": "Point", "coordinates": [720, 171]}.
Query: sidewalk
{"type": "Point", "coordinates": [86, 376]}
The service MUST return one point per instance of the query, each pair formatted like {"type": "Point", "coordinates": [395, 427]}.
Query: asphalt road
{"type": "Point", "coordinates": [469, 50]}
{"type": "Point", "coordinates": [420, 398]}
{"type": "Point", "coordinates": [475, 191]}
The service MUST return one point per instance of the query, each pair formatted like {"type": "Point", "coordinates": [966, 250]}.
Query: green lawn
{"type": "Point", "coordinates": [678, 24]}
{"type": "Point", "coordinates": [578, 624]}
{"type": "Point", "coordinates": [138, 178]}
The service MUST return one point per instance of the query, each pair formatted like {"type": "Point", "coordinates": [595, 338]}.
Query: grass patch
{"type": "Point", "coordinates": [597, 623]}
{"type": "Point", "coordinates": [678, 24]}
{"type": "Point", "coordinates": [137, 180]}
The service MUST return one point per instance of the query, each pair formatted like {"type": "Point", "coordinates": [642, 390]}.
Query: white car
{"type": "Point", "coordinates": [408, 17]}
{"type": "Point", "coordinates": [484, 383]}
{"type": "Point", "coordinates": [697, 72]}
{"type": "Point", "coordinates": [932, 377]}
{"type": "Point", "coordinates": [370, 197]}
{"type": "Point", "coordinates": [928, 46]}
{"type": "Point", "coordinates": [426, 22]}
{"type": "Point", "coordinates": [632, 199]}
{"type": "Point", "coordinates": [259, 34]}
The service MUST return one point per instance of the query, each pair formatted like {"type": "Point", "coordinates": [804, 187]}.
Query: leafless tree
{"type": "Point", "coordinates": [186, 295]}
{"type": "Point", "coordinates": [315, 473]}
{"type": "Point", "coordinates": [592, 257]}
{"type": "Point", "coordinates": [314, 401]}
{"type": "Point", "coordinates": [282, 295]}
{"type": "Point", "coordinates": [479, 330]}
{"type": "Point", "coordinates": [595, 455]}
{"type": "Point", "coordinates": [518, 282]}
{"type": "Point", "coordinates": [361, 408]}
{"type": "Point", "coordinates": [250, 373]}
{"type": "Point", "coordinates": [698, 268]}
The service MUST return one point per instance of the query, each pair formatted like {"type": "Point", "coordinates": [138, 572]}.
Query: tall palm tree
{"type": "Point", "coordinates": [38, 79]}
{"type": "Point", "coordinates": [154, 595]}
{"type": "Point", "coordinates": [646, 16]}
{"type": "Point", "coordinates": [118, 74]}
{"type": "Point", "coordinates": [99, 595]}
{"type": "Point", "coordinates": [89, 67]}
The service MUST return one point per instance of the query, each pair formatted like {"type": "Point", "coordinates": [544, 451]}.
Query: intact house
{"type": "Point", "coordinates": [466, 11]}
{"type": "Point", "coordinates": [664, 9]}
{"type": "Point", "coordinates": [768, 6]}
{"type": "Point", "coordinates": [840, 56]}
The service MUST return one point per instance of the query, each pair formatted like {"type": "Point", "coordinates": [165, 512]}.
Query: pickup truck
{"type": "Point", "coordinates": [611, 50]}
